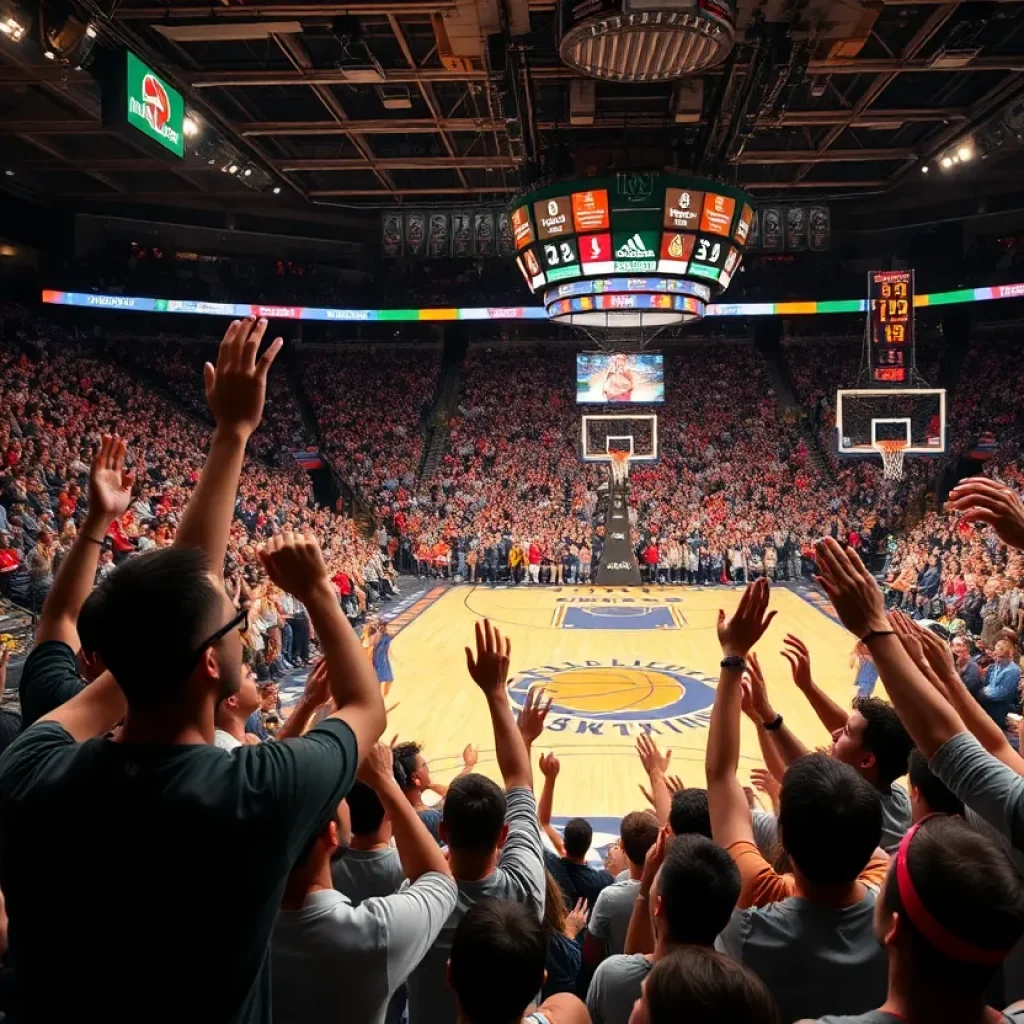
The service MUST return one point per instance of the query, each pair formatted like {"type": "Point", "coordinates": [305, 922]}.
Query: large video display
{"type": "Point", "coordinates": [633, 224]}
{"type": "Point", "coordinates": [619, 378]}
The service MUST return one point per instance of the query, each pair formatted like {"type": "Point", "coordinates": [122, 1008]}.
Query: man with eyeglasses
{"type": "Point", "coordinates": [180, 850]}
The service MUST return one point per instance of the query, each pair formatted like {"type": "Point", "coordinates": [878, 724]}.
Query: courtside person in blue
{"type": "Point", "coordinates": [168, 829]}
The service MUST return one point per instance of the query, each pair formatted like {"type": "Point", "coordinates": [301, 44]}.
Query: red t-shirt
{"type": "Point", "coordinates": [534, 555]}
{"type": "Point", "coordinates": [343, 583]}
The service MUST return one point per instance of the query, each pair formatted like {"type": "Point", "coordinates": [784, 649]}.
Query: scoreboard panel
{"type": "Point", "coordinates": [891, 327]}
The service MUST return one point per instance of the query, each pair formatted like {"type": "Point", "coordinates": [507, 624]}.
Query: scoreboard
{"type": "Point", "coordinates": [656, 226]}
{"type": "Point", "coordinates": [891, 326]}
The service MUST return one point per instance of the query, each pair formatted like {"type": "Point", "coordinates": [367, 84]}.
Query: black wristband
{"type": "Point", "coordinates": [734, 661]}
{"type": "Point", "coordinates": [92, 540]}
{"type": "Point", "coordinates": [774, 725]}
{"type": "Point", "coordinates": [877, 632]}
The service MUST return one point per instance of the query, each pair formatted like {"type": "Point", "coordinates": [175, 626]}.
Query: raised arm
{"type": "Point", "coordinates": [489, 670]}
{"type": "Point", "coordinates": [110, 492]}
{"type": "Point", "coordinates": [656, 766]}
{"type": "Point", "coordinates": [829, 713]}
{"type": "Point", "coordinates": [315, 694]}
{"type": "Point", "coordinates": [982, 500]}
{"type": "Point", "coordinates": [295, 564]}
{"type": "Point", "coordinates": [783, 744]}
{"type": "Point", "coordinates": [927, 716]}
{"type": "Point", "coordinates": [235, 391]}
{"type": "Point", "coordinates": [730, 813]}
{"type": "Point", "coordinates": [549, 768]}
{"type": "Point", "coordinates": [417, 850]}
{"type": "Point", "coordinates": [470, 757]}
{"type": "Point", "coordinates": [640, 936]}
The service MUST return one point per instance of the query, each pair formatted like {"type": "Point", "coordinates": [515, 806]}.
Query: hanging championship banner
{"type": "Point", "coordinates": [462, 234]}
{"type": "Point", "coordinates": [819, 228]}
{"type": "Point", "coordinates": [506, 243]}
{"type": "Point", "coordinates": [754, 236]}
{"type": "Point", "coordinates": [391, 234]}
{"type": "Point", "coordinates": [483, 234]}
{"type": "Point", "coordinates": [437, 239]}
{"type": "Point", "coordinates": [796, 228]}
{"type": "Point", "coordinates": [415, 234]}
{"type": "Point", "coordinates": [771, 229]}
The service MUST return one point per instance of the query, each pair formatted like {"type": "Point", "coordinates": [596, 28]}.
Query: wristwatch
{"type": "Point", "coordinates": [773, 725]}
{"type": "Point", "coordinates": [734, 661]}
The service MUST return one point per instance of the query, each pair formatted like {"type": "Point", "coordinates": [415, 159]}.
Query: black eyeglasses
{"type": "Point", "coordinates": [239, 621]}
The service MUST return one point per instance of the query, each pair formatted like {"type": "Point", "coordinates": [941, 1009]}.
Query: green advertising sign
{"type": "Point", "coordinates": [154, 108]}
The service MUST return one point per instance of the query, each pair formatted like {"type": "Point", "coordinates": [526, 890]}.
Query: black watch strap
{"type": "Point", "coordinates": [774, 725]}
{"type": "Point", "coordinates": [734, 661]}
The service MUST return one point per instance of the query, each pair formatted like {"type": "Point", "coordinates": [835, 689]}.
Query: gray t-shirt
{"type": "Point", "coordinates": [333, 961]}
{"type": "Point", "coordinates": [896, 819]}
{"type": "Point", "coordinates": [812, 958]}
{"type": "Point", "coordinates": [609, 919]}
{"type": "Point", "coordinates": [615, 987]}
{"type": "Point", "coordinates": [360, 874]}
{"type": "Point", "coordinates": [519, 877]}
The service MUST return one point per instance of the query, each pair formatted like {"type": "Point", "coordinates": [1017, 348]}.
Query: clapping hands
{"type": "Point", "coordinates": [747, 625]}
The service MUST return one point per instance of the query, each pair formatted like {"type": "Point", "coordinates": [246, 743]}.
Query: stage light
{"type": "Point", "coordinates": [233, 169]}
{"type": "Point", "coordinates": [277, 190]}
{"type": "Point", "coordinates": [247, 172]}
{"type": "Point", "coordinates": [9, 173]}
{"type": "Point", "coordinates": [90, 31]}
{"type": "Point", "coordinates": [924, 168]}
{"type": "Point", "coordinates": [49, 54]}
{"type": "Point", "coordinates": [947, 162]}
{"type": "Point", "coordinates": [11, 28]}
{"type": "Point", "coordinates": [190, 126]}
{"type": "Point", "coordinates": [965, 153]}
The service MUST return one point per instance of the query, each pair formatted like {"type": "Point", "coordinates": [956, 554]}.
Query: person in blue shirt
{"type": "Point", "coordinates": [1001, 693]}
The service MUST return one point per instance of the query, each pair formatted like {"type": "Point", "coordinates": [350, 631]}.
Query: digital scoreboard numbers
{"type": "Point", "coordinates": [891, 323]}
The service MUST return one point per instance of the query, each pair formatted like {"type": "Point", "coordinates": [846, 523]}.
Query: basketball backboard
{"type": "Point", "coordinates": [602, 435]}
{"type": "Point", "coordinates": [914, 416]}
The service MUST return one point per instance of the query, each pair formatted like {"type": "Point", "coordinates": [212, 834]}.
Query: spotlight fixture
{"type": "Point", "coordinates": [49, 54]}
{"type": "Point", "coordinates": [233, 169]}
{"type": "Point", "coordinates": [9, 173]}
{"type": "Point", "coordinates": [90, 31]}
{"type": "Point", "coordinates": [190, 126]}
{"type": "Point", "coordinates": [11, 28]}
{"type": "Point", "coordinates": [965, 153]}
{"type": "Point", "coordinates": [247, 173]}
{"type": "Point", "coordinates": [277, 190]}
{"type": "Point", "coordinates": [947, 162]}
{"type": "Point", "coordinates": [924, 168]}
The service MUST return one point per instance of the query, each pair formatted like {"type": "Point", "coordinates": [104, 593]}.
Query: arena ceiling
{"type": "Point", "coordinates": [376, 102]}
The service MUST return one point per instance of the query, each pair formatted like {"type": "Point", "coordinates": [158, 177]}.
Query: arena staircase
{"type": "Point", "coordinates": [435, 442]}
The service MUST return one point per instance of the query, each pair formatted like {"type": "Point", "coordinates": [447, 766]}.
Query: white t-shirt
{"type": "Point", "coordinates": [225, 740]}
{"type": "Point", "coordinates": [331, 961]}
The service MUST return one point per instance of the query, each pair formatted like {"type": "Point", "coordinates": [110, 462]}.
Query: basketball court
{"type": "Point", "coordinates": [619, 662]}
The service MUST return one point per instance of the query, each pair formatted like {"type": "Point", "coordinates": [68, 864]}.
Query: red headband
{"type": "Point", "coordinates": [921, 917]}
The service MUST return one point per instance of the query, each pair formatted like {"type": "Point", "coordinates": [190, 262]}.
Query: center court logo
{"type": "Point", "coordinates": [621, 698]}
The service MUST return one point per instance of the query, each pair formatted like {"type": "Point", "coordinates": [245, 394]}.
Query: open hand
{"type": "Point", "coordinates": [294, 562]}
{"type": "Point", "coordinates": [650, 757]}
{"type": "Point", "coordinates": [535, 712]}
{"type": "Point", "coordinates": [799, 659]}
{"type": "Point", "coordinates": [236, 387]}
{"type": "Point", "coordinates": [759, 702]}
{"type": "Point", "coordinates": [764, 782]}
{"type": "Point", "coordinates": [851, 588]}
{"type": "Point", "coordinates": [982, 500]}
{"type": "Point", "coordinates": [576, 919]}
{"type": "Point", "coordinates": [747, 625]}
{"type": "Point", "coordinates": [110, 487]}
{"type": "Point", "coordinates": [470, 756]}
{"type": "Point", "coordinates": [489, 669]}
{"type": "Point", "coordinates": [655, 858]}
{"type": "Point", "coordinates": [318, 685]}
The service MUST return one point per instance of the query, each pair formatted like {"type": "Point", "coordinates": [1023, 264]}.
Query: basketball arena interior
{"type": "Point", "coordinates": [594, 313]}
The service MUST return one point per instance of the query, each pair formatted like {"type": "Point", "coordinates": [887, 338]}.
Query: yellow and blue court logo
{"type": "Point", "coordinates": [618, 613]}
{"type": "Point", "coordinates": [621, 698]}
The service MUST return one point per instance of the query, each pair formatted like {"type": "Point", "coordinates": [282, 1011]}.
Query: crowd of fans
{"type": "Point", "coordinates": [340, 894]}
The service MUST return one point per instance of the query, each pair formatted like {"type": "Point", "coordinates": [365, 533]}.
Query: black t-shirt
{"type": "Point", "coordinates": [576, 880]}
{"type": "Point", "coordinates": [145, 880]}
{"type": "Point", "coordinates": [49, 679]}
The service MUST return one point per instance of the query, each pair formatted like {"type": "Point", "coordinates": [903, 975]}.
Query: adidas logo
{"type": "Point", "coordinates": [634, 249]}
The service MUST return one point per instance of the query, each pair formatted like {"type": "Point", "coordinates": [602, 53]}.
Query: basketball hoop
{"type": "Point", "coordinates": [892, 458]}
{"type": "Point", "coordinates": [619, 466]}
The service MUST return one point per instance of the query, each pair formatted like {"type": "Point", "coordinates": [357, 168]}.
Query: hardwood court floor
{"type": "Point", "coordinates": [619, 662]}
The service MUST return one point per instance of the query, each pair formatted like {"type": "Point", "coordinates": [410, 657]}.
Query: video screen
{"type": "Point", "coordinates": [604, 378]}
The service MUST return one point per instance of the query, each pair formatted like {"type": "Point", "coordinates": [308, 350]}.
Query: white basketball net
{"type": "Point", "coordinates": [892, 458]}
{"type": "Point", "coordinates": [619, 466]}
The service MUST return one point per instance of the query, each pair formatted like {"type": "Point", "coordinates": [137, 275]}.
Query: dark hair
{"type": "Point", "coordinates": [638, 831]}
{"type": "Point", "coordinates": [365, 809]}
{"type": "Point", "coordinates": [830, 818]}
{"type": "Point", "coordinates": [497, 961]}
{"type": "Point", "coordinates": [886, 738]}
{"type": "Point", "coordinates": [701, 986]}
{"type": "Point", "coordinates": [970, 886]}
{"type": "Point", "coordinates": [690, 814]}
{"type": "Point", "coordinates": [578, 836]}
{"type": "Point", "coordinates": [698, 885]}
{"type": "Point", "coordinates": [555, 910]}
{"type": "Point", "coordinates": [474, 813]}
{"type": "Point", "coordinates": [932, 789]}
{"type": "Point", "coordinates": [405, 763]}
{"type": "Point", "coordinates": [148, 617]}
